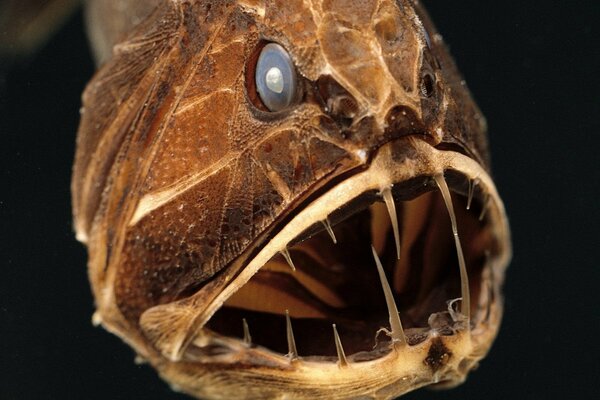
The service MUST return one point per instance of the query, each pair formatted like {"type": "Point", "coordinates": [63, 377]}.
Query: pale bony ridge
{"type": "Point", "coordinates": [315, 14]}
{"type": "Point", "coordinates": [193, 102]}
{"type": "Point", "coordinates": [382, 172]}
{"type": "Point", "coordinates": [217, 50]}
{"type": "Point", "coordinates": [278, 182]}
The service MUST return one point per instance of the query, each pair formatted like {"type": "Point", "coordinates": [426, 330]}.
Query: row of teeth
{"type": "Point", "coordinates": [396, 333]}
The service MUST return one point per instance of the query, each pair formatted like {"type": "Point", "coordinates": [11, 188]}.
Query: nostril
{"type": "Point", "coordinates": [343, 110]}
{"type": "Point", "coordinates": [337, 101]}
{"type": "Point", "coordinates": [346, 106]}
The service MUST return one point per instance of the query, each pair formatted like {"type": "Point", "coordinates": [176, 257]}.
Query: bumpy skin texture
{"type": "Point", "coordinates": [178, 173]}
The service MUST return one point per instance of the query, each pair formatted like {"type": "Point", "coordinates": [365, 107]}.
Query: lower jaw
{"type": "Point", "coordinates": [250, 372]}
{"type": "Point", "coordinates": [432, 355]}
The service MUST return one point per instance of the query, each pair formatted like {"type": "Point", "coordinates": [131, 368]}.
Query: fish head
{"type": "Point", "coordinates": [300, 205]}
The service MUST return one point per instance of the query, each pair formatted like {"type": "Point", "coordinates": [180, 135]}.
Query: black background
{"type": "Point", "coordinates": [533, 67]}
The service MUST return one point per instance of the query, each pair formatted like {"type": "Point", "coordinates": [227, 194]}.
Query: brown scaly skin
{"type": "Point", "coordinates": [182, 185]}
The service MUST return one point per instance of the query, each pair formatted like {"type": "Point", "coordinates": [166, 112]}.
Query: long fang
{"type": "Point", "coordinates": [329, 230]}
{"type": "Point", "coordinates": [286, 254]}
{"type": "Point", "coordinates": [247, 337]}
{"type": "Point", "coordinates": [395, 323]}
{"type": "Point", "coordinates": [292, 351]}
{"type": "Point", "coordinates": [391, 206]}
{"type": "Point", "coordinates": [340, 350]}
{"type": "Point", "coordinates": [472, 184]}
{"type": "Point", "coordinates": [465, 307]}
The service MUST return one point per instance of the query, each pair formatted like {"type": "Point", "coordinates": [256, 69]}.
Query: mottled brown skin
{"type": "Point", "coordinates": [180, 176]}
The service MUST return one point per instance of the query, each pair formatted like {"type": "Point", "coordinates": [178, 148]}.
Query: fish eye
{"type": "Point", "coordinates": [275, 78]}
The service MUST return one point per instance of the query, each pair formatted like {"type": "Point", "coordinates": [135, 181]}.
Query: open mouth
{"type": "Point", "coordinates": [387, 267]}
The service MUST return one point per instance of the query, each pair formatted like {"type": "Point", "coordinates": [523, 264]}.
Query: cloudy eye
{"type": "Point", "coordinates": [275, 77]}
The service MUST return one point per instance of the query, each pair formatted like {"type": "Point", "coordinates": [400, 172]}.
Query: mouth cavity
{"type": "Point", "coordinates": [388, 253]}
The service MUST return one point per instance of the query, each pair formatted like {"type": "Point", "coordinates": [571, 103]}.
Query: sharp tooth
{"type": "Point", "coordinates": [247, 337]}
{"type": "Point", "coordinates": [465, 307]}
{"type": "Point", "coordinates": [286, 254]}
{"type": "Point", "coordinates": [472, 184]}
{"type": "Point", "coordinates": [292, 351]}
{"type": "Point", "coordinates": [391, 206]}
{"type": "Point", "coordinates": [397, 335]}
{"type": "Point", "coordinates": [342, 361]}
{"type": "Point", "coordinates": [329, 230]}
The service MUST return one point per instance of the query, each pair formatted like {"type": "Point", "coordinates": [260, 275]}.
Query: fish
{"type": "Point", "coordinates": [287, 199]}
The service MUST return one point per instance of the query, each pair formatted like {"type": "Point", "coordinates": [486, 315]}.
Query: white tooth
{"type": "Point", "coordinates": [465, 308]}
{"type": "Point", "coordinates": [329, 230]}
{"type": "Point", "coordinates": [391, 206]}
{"type": "Point", "coordinates": [286, 254]}
{"type": "Point", "coordinates": [397, 335]}
{"type": "Point", "coordinates": [343, 362]}
{"type": "Point", "coordinates": [472, 184]}
{"type": "Point", "coordinates": [247, 337]}
{"type": "Point", "coordinates": [292, 351]}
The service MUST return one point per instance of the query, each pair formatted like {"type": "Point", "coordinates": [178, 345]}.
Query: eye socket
{"type": "Point", "coordinates": [275, 78]}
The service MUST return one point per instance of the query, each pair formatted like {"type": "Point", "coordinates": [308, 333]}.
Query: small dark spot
{"type": "Point", "coordinates": [438, 355]}
{"type": "Point", "coordinates": [268, 147]}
